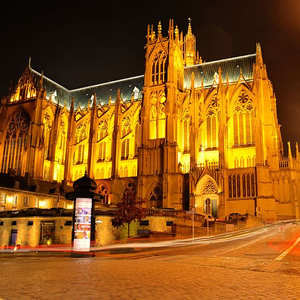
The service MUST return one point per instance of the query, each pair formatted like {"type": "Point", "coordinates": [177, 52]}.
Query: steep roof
{"type": "Point", "coordinates": [134, 85]}
{"type": "Point", "coordinates": [231, 66]}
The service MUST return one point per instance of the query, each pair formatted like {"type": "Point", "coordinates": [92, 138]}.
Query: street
{"type": "Point", "coordinates": [261, 266]}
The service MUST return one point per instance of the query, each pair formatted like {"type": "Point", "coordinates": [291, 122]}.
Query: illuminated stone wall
{"type": "Point", "coordinates": [201, 135]}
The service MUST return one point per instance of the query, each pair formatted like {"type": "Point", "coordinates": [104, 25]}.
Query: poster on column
{"type": "Point", "coordinates": [82, 229]}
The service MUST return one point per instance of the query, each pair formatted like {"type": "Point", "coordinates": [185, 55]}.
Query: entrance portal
{"type": "Point", "coordinates": [207, 196]}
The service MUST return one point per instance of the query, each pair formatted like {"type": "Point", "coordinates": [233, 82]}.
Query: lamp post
{"type": "Point", "coordinates": [84, 197]}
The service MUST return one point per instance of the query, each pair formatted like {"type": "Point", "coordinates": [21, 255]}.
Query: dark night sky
{"type": "Point", "coordinates": [83, 44]}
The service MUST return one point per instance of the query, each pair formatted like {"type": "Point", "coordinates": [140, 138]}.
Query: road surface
{"type": "Point", "coordinates": [256, 265]}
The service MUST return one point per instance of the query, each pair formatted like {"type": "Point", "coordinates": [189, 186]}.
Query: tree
{"type": "Point", "coordinates": [129, 209]}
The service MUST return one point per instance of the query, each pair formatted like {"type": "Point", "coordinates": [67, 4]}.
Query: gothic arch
{"type": "Point", "coordinates": [234, 97]}
{"type": "Point", "coordinates": [15, 142]}
{"type": "Point", "coordinates": [156, 196]}
{"type": "Point", "coordinates": [103, 190]}
{"type": "Point", "coordinates": [206, 196]}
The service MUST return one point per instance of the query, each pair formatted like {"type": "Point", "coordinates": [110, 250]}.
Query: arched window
{"type": "Point", "coordinates": [125, 149]}
{"type": "Point", "coordinates": [186, 133]}
{"type": "Point", "coordinates": [212, 124]}
{"type": "Point", "coordinates": [162, 122]}
{"type": "Point", "coordinates": [103, 191]}
{"type": "Point", "coordinates": [102, 151]}
{"type": "Point", "coordinates": [159, 68]}
{"type": "Point", "coordinates": [80, 133]}
{"type": "Point", "coordinates": [80, 154]}
{"type": "Point", "coordinates": [253, 192]}
{"type": "Point", "coordinates": [156, 197]}
{"type": "Point", "coordinates": [102, 130]}
{"type": "Point", "coordinates": [209, 188]}
{"type": "Point", "coordinates": [126, 171]}
{"type": "Point", "coordinates": [47, 134]}
{"type": "Point", "coordinates": [238, 186]}
{"type": "Point", "coordinates": [243, 121]}
{"type": "Point", "coordinates": [233, 186]}
{"type": "Point", "coordinates": [153, 120]}
{"type": "Point", "coordinates": [248, 185]}
{"type": "Point", "coordinates": [15, 142]}
{"type": "Point", "coordinates": [125, 138]}
{"type": "Point", "coordinates": [244, 185]}
{"type": "Point", "coordinates": [134, 171]}
{"type": "Point", "coordinates": [137, 139]}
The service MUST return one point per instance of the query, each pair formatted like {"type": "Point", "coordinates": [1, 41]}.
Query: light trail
{"type": "Point", "coordinates": [284, 253]}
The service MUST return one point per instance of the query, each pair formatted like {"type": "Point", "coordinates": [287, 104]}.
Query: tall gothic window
{"type": "Point", "coordinates": [80, 154]}
{"type": "Point", "coordinates": [186, 133]}
{"type": "Point", "coordinates": [81, 132]}
{"type": "Point", "coordinates": [153, 127]}
{"type": "Point", "coordinates": [159, 69]}
{"type": "Point", "coordinates": [102, 151]}
{"type": "Point", "coordinates": [125, 138]}
{"type": "Point", "coordinates": [102, 130]}
{"type": "Point", "coordinates": [212, 124]}
{"type": "Point", "coordinates": [162, 122]}
{"type": "Point", "coordinates": [15, 142]}
{"type": "Point", "coordinates": [243, 121]}
{"type": "Point", "coordinates": [156, 197]}
{"type": "Point", "coordinates": [136, 139]}
{"type": "Point", "coordinates": [47, 134]}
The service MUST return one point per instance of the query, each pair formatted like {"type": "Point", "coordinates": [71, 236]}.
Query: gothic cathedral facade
{"type": "Point", "coordinates": [186, 135]}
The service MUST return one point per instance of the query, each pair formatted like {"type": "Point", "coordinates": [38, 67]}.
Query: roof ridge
{"type": "Point", "coordinates": [221, 60]}
{"type": "Point", "coordinates": [106, 83]}
{"type": "Point", "coordinates": [50, 80]}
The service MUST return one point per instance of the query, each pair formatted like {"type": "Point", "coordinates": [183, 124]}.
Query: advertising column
{"type": "Point", "coordinates": [82, 226]}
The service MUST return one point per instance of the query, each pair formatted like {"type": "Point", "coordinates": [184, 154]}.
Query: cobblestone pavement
{"type": "Point", "coordinates": [147, 277]}
{"type": "Point", "coordinates": [245, 269]}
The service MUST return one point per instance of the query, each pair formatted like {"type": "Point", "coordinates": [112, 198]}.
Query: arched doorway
{"type": "Point", "coordinates": [206, 200]}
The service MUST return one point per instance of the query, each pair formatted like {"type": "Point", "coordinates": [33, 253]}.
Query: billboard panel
{"type": "Point", "coordinates": [82, 226]}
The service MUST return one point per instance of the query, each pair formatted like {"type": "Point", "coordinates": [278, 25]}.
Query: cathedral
{"type": "Point", "coordinates": [186, 135]}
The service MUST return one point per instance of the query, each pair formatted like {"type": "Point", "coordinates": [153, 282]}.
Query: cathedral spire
{"type": "Point", "coordinates": [159, 30]}
{"type": "Point", "coordinates": [259, 58]}
{"type": "Point", "coordinates": [171, 29]}
{"type": "Point", "coordinates": [190, 55]}
{"type": "Point", "coordinates": [190, 27]}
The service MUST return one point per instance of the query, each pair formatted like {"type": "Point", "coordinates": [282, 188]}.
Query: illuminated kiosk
{"type": "Point", "coordinates": [84, 197]}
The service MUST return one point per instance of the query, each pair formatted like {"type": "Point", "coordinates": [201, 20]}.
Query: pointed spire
{"type": "Point", "coordinates": [152, 33]}
{"type": "Point", "coordinates": [171, 29]}
{"type": "Point", "coordinates": [190, 27]}
{"type": "Point", "coordinates": [289, 151]}
{"type": "Point", "coordinates": [159, 30]}
{"type": "Point", "coordinates": [176, 33]}
{"type": "Point", "coordinates": [297, 151]}
{"type": "Point", "coordinates": [220, 75]}
{"type": "Point", "coordinates": [227, 79]}
{"type": "Point", "coordinates": [259, 58]}
{"type": "Point", "coordinates": [109, 100]}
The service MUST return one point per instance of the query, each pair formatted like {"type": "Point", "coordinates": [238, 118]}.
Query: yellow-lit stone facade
{"type": "Point", "coordinates": [188, 134]}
